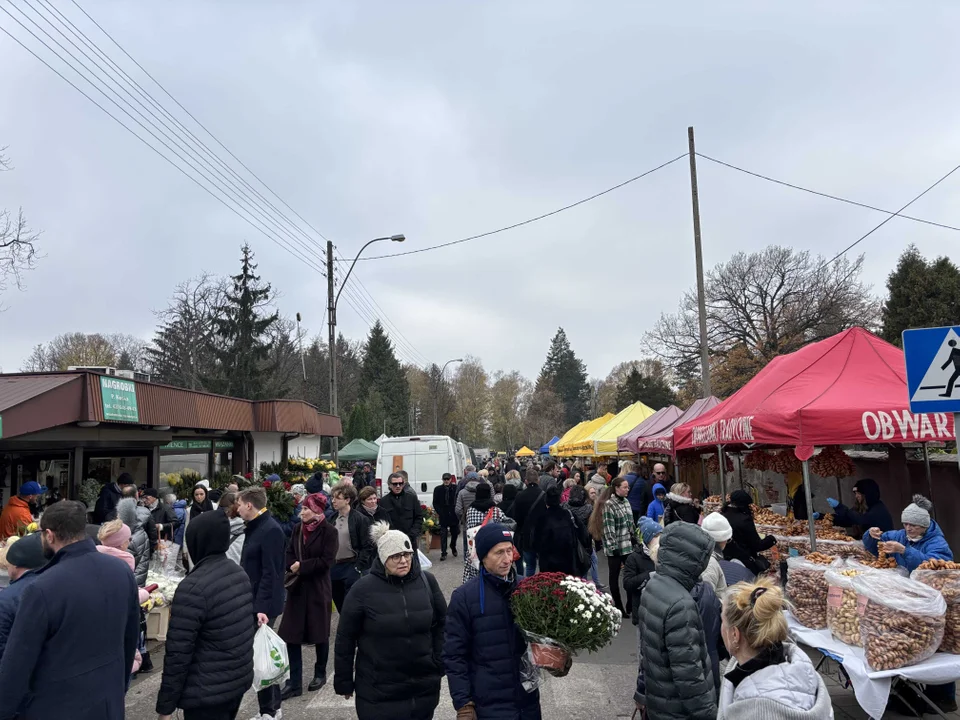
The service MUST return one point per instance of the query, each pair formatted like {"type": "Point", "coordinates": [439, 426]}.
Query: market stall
{"type": "Point", "coordinates": [603, 440]}
{"type": "Point", "coordinates": [525, 452]}
{"type": "Point", "coordinates": [567, 436]}
{"type": "Point", "coordinates": [357, 450]}
{"type": "Point", "coordinates": [662, 418]}
{"type": "Point", "coordinates": [848, 389]}
{"type": "Point", "coordinates": [583, 430]}
{"type": "Point", "coordinates": [662, 441]}
{"type": "Point", "coordinates": [545, 448]}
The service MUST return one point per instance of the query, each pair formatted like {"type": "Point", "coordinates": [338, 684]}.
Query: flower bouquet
{"type": "Point", "coordinates": [561, 615]}
{"type": "Point", "coordinates": [431, 521]}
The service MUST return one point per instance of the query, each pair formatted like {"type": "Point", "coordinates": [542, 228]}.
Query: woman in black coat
{"type": "Point", "coordinates": [679, 505]}
{"type": "Point", "coordinates": [556, 535]}
{"type": "Point", "coordinates": [746, 544]}
{"type": "Point", "coordinates": [311, 553]}
{"type": "Point", "coordinates": [393, 625]}
{"type": "Point", "coordinates": [208, 661]}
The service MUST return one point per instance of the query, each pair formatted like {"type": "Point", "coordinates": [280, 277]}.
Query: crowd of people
{"type": "Point", "coordinates": [712, 639]}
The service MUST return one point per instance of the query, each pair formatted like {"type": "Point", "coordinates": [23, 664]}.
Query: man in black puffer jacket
{"type": "Point", "coordinates": [208, 664]}
{"type": "Point", "coordinates": [676, 663]}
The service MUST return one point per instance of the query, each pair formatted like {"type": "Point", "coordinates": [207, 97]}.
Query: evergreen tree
{"type": "Point", "coordinates": [652, 390]}
{"type": "Point", "coordinates": [358, 426]}
{"type": "Point", "coordinates": [921, 294]}
{"type": "Point", "coordinates": [382, 374]}
{"type": "Point", "coordinates": [566, 374]}
{"type": "Point", "coordinates": [243, 328]}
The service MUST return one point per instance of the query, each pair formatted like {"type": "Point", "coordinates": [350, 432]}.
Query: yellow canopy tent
{"type": "Point", "coordinates": [566, 437]}
{"type": "Point", "coordinates": [583, 431]}
{"type": "Point", "coordinates": [603, 440]}
{"type": "Point", "coordinates": [525, 452]}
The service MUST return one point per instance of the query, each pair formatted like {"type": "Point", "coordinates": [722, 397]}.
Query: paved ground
{"type": "Point", "coordinates": [598, 687]}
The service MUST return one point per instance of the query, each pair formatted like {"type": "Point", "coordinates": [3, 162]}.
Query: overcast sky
{"type": "Point", "coordinates": [441, 120]}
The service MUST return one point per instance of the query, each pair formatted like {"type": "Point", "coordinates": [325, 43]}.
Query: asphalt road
{"type": "Point", "coordinates": [599, 685]}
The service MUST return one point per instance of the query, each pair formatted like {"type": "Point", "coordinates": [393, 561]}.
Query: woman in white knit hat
{"type": "Point", "coordinates": [921, 538]}
{"type": "Point", "coordinates": [393, 621]}
{"type": "Point", "coordinates": [734, 571]}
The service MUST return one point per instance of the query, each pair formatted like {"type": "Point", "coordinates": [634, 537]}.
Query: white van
{"type": "Point", "coordinates": [425, 459]}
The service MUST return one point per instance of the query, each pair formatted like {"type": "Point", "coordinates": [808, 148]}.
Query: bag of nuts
{"type": "Point", "coordinates": [842, 617]}
{"type": "Point", "coordinates": [945, 577]}
{"type": "Point", "coordinates": [807, 588]}
{"type": "Point", "coordinates": [901, 620]}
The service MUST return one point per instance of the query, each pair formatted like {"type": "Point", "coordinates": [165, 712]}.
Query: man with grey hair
{"type": "Point", "coordinates": [403, 508]}
{"type": "Point", "coordinates": [467, 471]}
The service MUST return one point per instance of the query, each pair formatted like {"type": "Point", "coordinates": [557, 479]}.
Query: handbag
{"type": "Point", "coordinates": [291, 580]}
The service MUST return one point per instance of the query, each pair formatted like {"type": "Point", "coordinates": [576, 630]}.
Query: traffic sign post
{"type": "Point", "coordinates": [932, 356]}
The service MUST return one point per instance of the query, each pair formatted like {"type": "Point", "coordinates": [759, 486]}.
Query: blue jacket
{"type": "Point", "coordinates": [9, 602]}
{"type": "Point", "coordinates": [180, 510]}
{"type": "Point", "coordinates": [264, 546]}
{"type": "Point", "coordinates": [73, 641]}
{"type": "Point", "coordinates": [294, 519]}
{"type": "Point", "coordinates": [483, 651]}
{"type": "Point", "coordinates": [655, 508]}
{"type": "Point", "coordinates": [639, 495]}
{"type": "Point", "coordinates": [932, 545]}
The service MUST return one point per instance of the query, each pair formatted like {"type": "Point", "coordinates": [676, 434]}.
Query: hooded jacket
{"type": "Point", "coordinates": [655, 508]}
{"type": "Point", "coordinates": [678, 507]}
{"type": "Point", "coordinates": [639, 495]}
{"type": "Point", "coordinates": [180, 510]}
{"type": "Point", "coordinates": [394, 626]}
{"type": "Point", "coordinates": [237, 530]}
{"type": "Point", "coordinates": [876, 514]}
{"type": "Point", "coordinates": [676, 662]}
{"type": "Point", "coordinates": [933, 545]}
{"type": "Point", "coordinates": [105, 508]}
{"type": "Point", "coordinates": [791, 690]}
{"type": "Point", "coordinates": [208, 656]}
{"type": "Point", "coordinates": [555, 537]}
{"type": "Point", "coordinates": [130, 513]}
{"type": "Point", "coordinates": [578, 505]}
{"type": "Point", "coordinates": [484, 651]}
{"type": "Point", "coordinates": [527, 508]}
{"type": "Point", "coordinates": [465, 498]}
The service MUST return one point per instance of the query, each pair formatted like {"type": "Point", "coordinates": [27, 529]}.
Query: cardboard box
{"type": "Point", "coordinates": [157, 621]}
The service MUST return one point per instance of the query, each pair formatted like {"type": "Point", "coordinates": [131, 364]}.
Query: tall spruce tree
{"type": "Point", "coordinates": [384, 378]}
{"type": "Point", "coordinates": [921, 294]}
{"type": "Point", "coordinates": [243, 328]}
{"type": "Point", "coordinates": [566, 374]}
{"type": "Point", "coordinates": [358, 426]}
{"type": "Point", "coordinates": [652, 390]}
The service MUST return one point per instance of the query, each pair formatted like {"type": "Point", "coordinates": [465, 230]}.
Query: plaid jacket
{"type": "Point", "coordinates": [617, 527]}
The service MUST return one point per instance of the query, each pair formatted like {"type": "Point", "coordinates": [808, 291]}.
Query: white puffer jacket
{"type": "Point", "coordinates": [791, 690]}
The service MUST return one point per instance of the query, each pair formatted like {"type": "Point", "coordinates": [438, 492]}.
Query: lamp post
{"type": "Point", "coordinates": [436, 417]}
{"type": "Point", "coordinates": [332, 301]}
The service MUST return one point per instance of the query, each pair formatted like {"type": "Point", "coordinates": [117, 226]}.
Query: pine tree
{"type": "Point", "coordinates": [652, 390]}
{"type": "Point", "coordinates": [567, 375]}
{"type": "Point", "coordinates": [382, 374]}
{"type": "Point", "coordinates": [125, 362]}
{"type": "Point", "coordinates": [243, 328]}
{"type": "Point", "coordinates": [922, 294]}
{"type": "Point", "coordinates": [358, 426]}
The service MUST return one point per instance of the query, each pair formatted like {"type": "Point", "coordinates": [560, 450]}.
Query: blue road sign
{"type": "Point", "coordinates": [933, 369]}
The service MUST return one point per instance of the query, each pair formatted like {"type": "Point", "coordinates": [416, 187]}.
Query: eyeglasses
{"type": "Point", "coordinates": [401, 556]}
{"type": "Point", "coordinates": [396, 484]}
{"type": "Point", "coordinates": [660, 472]}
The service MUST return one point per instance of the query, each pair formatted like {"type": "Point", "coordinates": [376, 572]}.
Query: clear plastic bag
{"type": "Point", "coordinates": [271, 666]}
{"type": "Point", "coordinates": [948, 583]}
{"type": "Point", "coordinates": [543, 654]}
{"type": "Point", "coordinates": [807, 590]}
{"type": "Point", "coordinates": [842, 616]}
{"type": "Point", "coordinates": [901, 620]}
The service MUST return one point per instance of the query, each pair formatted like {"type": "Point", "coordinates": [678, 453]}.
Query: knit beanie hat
{"type": "Point", "coordinates": [741, 498]}
{"type": "Point", "coordinates": [389, 542]}
{"type": "Point", "coordinates": [717, 527]}
{"type": "Point", "coordinates": [118, 538]}
{"type": "Point", "coordinates": [489, 536]}
{"type": "Point", "coordinates": [649, 529]}
{"type": "Point", "coordinates": [917, 512]}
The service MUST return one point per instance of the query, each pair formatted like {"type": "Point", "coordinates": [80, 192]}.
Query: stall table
{"type": "Point", "coordinates": [872, 689]}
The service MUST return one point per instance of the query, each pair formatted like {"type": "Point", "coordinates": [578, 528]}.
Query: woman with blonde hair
{"type": "Point", "coordinates": [768, 677]}
{"type": "Point", "coordinates": [612, 523]}
{"type": "Point", "coordinates": [679, 505]}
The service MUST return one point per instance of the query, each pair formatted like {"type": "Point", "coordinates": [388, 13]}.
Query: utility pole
{"type": "Point", "coordinates": [701, 299]}
{"type": "Point", "coordinates": [332, 348]}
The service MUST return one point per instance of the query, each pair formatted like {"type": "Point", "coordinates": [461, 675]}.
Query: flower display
{"type": "Point", "coordinates": [560, 615]}
{"type": "Point", "coordinates": [431, 521]}
{"type": "Point", "coordinates": [310, 465]}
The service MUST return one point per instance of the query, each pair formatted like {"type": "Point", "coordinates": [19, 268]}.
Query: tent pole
{"type": "Point", "coordinates": [723, 477]}
{"type": "Point", "coordinates": [926, 465]}
{"type": "Point", "coordinates": [809, 496]}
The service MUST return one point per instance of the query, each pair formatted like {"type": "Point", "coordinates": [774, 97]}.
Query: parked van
{"type": "Point", "coordinates": [425, 459]}
{"type": "Point", "coordinates": [463, 455]}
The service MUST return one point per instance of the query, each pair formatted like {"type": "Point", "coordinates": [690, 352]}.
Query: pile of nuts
{"type": "Point", "coordinates": [901, 621]}
{"type": "Point", "coordinates": [944, 576]}
{"type": "Point", "coordinates": [807, 589]}
{"type": "Point", "coordinates": [883, 562]}
{"type": "Point", "coordinates": [842, 616]}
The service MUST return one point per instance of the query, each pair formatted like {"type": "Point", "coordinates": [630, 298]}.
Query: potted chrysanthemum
{"type": "Point", "coordinates": [561, 615]}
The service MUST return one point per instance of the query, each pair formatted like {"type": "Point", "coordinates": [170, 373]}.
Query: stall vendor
{"type": "Point", "coordinates": [921, 538]}
{"type": "Point", "coordinates": [875, 514]}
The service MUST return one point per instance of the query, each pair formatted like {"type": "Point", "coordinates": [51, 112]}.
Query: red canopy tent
{"type": "Point", "coordinates": [848, 389]}
{"type": "Point", "coordinates": [661, 419]}
{"type": "Point", "coordinates": [661, 441]}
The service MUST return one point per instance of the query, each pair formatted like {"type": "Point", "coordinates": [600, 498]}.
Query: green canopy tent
{"type": "Point", "coordinates": [357, 450]}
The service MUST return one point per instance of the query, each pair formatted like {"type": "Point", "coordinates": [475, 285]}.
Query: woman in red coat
{"type": "Point", "coordinates": [311, 553]}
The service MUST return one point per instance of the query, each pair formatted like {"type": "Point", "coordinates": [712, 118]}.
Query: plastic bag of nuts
{"type": "Point", "coordinates": [842, 617]}
{"type": "Point", "coordinates": [807, 588]}
{"type": "Point", "coordinates": [945, 577]}
{"type": "Point", "coordinates": [901, 620]}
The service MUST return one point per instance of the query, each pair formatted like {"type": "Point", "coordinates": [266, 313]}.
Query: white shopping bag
{"type": "Point", "coordinates": [425, 563]}
{"type": "Point", "coordinates": [270, 663]}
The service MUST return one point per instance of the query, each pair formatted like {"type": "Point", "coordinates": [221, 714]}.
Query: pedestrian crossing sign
{"type": "Point", "coordinates": [932, 357]}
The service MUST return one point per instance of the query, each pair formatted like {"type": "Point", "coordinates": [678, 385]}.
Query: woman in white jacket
{"type": "Point", "coordinates": [768, 678]}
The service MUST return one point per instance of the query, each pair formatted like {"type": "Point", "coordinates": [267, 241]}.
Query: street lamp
{"type": "Point", "coordinates": [436, 417]}
{"type": "Point", "coordinates": [332, 301]}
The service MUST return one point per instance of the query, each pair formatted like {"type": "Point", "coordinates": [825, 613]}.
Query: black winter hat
{"type": "Point", "coordinates": [27, 552]}
{"type": "Point", "coordinates": [208, 534]}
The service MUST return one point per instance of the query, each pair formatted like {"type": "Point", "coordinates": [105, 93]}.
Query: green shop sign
{"type": "Point", "coordinates": [197, 445]}
{"type": "Point", "coordinates": [119, 399]}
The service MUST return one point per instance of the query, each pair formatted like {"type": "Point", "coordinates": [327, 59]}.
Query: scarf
{"type": "Point", "coordinates": [317, 504]}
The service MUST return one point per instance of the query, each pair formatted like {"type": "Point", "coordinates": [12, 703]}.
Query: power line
{"type": "Point", "coordinates": [529, 220]}
{"type": "Point", "coordinates": [824, 194]}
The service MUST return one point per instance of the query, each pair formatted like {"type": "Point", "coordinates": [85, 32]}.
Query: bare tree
{"type": "Point", "coordinates": [18, 243]}
{"type": "Point", "coordinates": [759, 306]}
